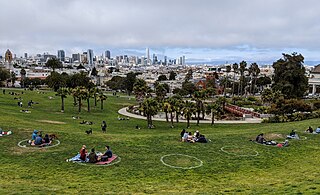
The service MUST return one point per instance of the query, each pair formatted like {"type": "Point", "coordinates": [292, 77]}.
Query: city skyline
{"type": "Point", "coordinates": [202, 31]}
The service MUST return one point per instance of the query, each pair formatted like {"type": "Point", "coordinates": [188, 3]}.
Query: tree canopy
{"type": "Point", "coordinates": [54, 63]}
{"type": "Point", "coordinates": [289, 76]}
{"type": "Point", "coordinates": [4, 74]}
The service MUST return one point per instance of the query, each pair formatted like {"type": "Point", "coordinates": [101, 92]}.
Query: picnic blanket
{"type": "Point", "coordinates": [114, 157]}
{"type": "Point", "coordinates": [5, 133]}
{"type": "Point", "coordinates": [77, 159]}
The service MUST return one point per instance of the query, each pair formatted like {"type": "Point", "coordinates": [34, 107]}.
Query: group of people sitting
{"type": "Point", "coordinates": [94, 157]}
{"type": "Point", "coordinates": [38, 140]}
{"type": "Point", "coordinates": [261, 140]}
{"type": "Point", "coordinates": [310, 130]}
{"type": "Point", "coordinates": [86, 122]}
{"type": "Point", "coordinates": [189, 137]}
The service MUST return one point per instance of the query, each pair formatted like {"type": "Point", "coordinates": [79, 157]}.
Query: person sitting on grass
{"type": "Point", "coordinates": [38, 141]}
{"type": "Point", "coordinates": [318, 130]}
{"type": "Point", "coordinates": [93, 158]}
{"type": "Point", "coordinates": [83, 153]}
{"type": "Point", "coordinates": [107, 154]}
{"type": "Point", "coordinates": [182, 134]}
{"type": "Point", "coordinates": [190, 138]}
{"type": "Point", "coordinates": [202, 139]}
{"type": "Point", "coordinates": [185, 136]}
{"type": "Point", "coordinates": [293, 135]}
{"type": "Point", "coordinates": [46, 140]}
{"type": "Point", "coordinates": [260, 139]}
{"type": "Point", "coordinates": [197, 134]}
{"type": "Point", "coordinates": [137, 127]}
{"type": "Point", "coordinates": [309, 130]}
{"type": "Point", "coordinates": [34, 135]}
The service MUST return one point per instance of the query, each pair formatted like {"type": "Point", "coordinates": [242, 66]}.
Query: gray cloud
{"type": "Point", "coordinates": [47, 25]}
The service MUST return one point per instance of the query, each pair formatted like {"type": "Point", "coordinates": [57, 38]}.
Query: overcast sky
{"type": "Point", "coordinates": [257, 30]}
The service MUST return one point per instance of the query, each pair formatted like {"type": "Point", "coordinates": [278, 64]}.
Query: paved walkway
{"type": "Point", "coordinates": [123, 111]}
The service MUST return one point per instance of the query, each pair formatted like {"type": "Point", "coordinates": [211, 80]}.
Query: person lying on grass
{"type": "Point", "coordinates": [283, 144]}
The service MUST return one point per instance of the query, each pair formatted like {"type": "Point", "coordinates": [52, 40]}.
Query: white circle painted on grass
{"type": "Point", "coordinates": [225, 148]}
{"type": "Point", "coordinates": [178, 167]}
{"type": "Point", "coordinates": [94, 165]}
{"type": "Point", "coordinates": [36, 147]}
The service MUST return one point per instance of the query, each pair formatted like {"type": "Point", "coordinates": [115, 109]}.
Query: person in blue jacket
{"type": "Point", "coordinates": [34, 135]}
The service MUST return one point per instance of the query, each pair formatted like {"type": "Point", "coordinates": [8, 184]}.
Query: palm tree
{"type": "Point", "coordinates": [95, 92]}
{"type": "Point", "coordinates": [79, 93]}
{"type": "Point", "coordinates": [188, 110]}
{"type": "Point", "coordinates": [198, 97]}
{"type": "Point", "coordinates": [255, 71]}
{"type": "Point", "coordinates": [62, 92]}
{"type": "Point", "coordinates": [213, 109]}
{"type": "Point", "coordinates": [140, 88]}
{"type": "Point", "coordinates": [235, 67]}
{"type": "Point", "coordinates": [23, 76]}
{"type": "Point", "coordinates": [177, 105]}
{"type": "Point", "coordinates": [102, 98]}
{"type": "Point", "coordinates": [172, 109]}
{"type": "Point", "coordinates": [166, 106]}
{"type": "Point", "coordinates": [71, 91]}
{"type": "Point", "coordinates": [242, 69]}
{"type": "Point", "coordinates": [13, 78]}
{"type": "Point", "coordinates": [150, 108]}
{"type": "Point", "coordinates": [87, 94]}
{"type": "Point", "coordinates": [228, 69]}
{"type": "Point", "coordinates": [161, 92]}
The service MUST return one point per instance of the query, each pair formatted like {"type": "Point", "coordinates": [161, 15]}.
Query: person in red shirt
{"type": "Point", "coordinates": [83, 153]}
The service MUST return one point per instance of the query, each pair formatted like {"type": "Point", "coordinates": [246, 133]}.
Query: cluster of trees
{"type": "Point", "coordinates": [152, 101]}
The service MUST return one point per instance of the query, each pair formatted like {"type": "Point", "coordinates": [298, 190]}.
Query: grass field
{"type": "Point", "coordinates": [244, 167]}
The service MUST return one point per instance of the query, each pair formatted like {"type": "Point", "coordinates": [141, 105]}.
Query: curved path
{"type": "Point", "coordinates": [123, 111]}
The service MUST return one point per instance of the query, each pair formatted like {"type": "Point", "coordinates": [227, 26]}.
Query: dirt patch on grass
{"type": "Point", "coordinates": [52, 122]}
{"type": "Point", "coordinates": [19, 151]}
{"type": "Point", "coordinates": [273, 136]}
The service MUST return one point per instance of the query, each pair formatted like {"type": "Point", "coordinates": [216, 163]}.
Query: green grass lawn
{"type": "Point", "coordinates": [290, 170]}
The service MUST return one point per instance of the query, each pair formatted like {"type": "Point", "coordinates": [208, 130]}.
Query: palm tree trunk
{"type": "Point", "coordinates": [251, 87]}
{"type": "Point", "coordinates": [239, 88]}
{"type": "Point", "coordinates": [234, 79]}
{"type": "Point", "coordinates": [62, 104]}
{"type": "Point", "coordinates": [88, 101]}
{"type": "Point", "coordinates": [79, 108]}
{"type": "Point", "coordinates": [177, 116]}
{"type": "Point", "coordinates": [167, 119]}
{"type": "Point", "coordinates": [198, 118]}
{"type": "Point", "coordinates": [212, 117]}
{"type": "Point", "coordinates": [171, 116]}
{"type": "Point", "coordinates": [188, 122]}
{"type": "Point", "coordinates": [101, 104]}
{"type": "Point", "coordinates": [254, 86]}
